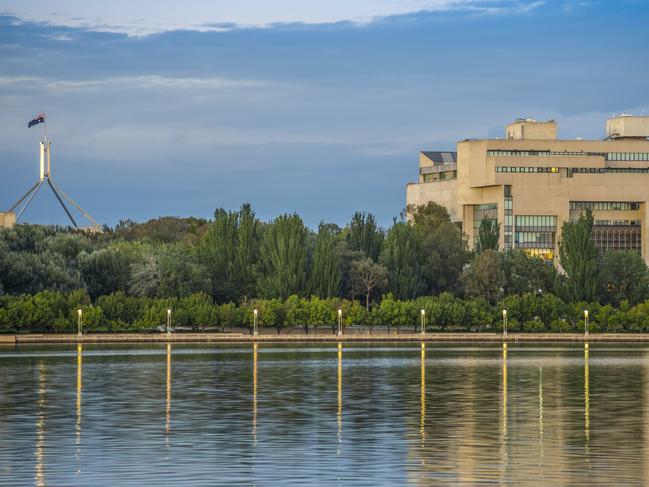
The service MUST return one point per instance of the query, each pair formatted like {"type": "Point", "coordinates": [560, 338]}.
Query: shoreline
{"type": "Point", "coordinates": [296, 338]}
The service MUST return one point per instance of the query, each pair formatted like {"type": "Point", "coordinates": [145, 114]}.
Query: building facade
{"type": "Point", "coordinates": [530, 182]}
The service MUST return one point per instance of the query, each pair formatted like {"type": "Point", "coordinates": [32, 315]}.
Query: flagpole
{"type": "Point", "coordinates": [45, 125]}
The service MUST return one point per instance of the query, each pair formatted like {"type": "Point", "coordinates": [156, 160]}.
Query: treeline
{"type": "Point", "coordinates": [235, 259]}
{"type": "Point", "coordinates": [52, 311]}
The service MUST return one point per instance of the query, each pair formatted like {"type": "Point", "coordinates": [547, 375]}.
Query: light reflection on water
{"type": "Point", "coordinates": [350, 414]}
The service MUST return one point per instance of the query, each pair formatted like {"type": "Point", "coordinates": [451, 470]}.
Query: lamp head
{"type": "Point", "coordinates": [504, 312]}
{"type": "Point", "coordinates": [423, 312]}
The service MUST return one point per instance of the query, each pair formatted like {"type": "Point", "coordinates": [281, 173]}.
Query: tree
{"type": "Point", "coordinates": [578, 258]}
{"type": "Point", "coordinates": [325, 278]}
{"type": "Point", "coordinates": [400, 257]}
{"type": "Point", "coordinates": [443, 251]}
{"type": "Point", "coordinates": [230, 251]}
{"type": "Point", "coordinates": [485, 277]}
{"type": "Point", "coordinates": [368, 277]}
{"type": "Point", "coordinates": [488, 235]}
{"type": "Point", "coordinates": [283, 258]}
{"type": "Point", "coordinates": [622, 275]}
{"type": "Point", "coordinates": [364, 235]}
{"type": "Point", "coordinates": [525, 273]}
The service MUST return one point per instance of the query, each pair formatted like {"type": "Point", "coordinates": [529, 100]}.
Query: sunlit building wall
{"type": "Point", "coordinates": [530, 182]}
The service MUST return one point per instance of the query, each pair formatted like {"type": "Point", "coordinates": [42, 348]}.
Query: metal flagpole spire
{"type": "Point", "coordinates": [46, 175]}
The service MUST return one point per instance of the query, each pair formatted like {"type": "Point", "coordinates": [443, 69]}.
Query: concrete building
{"type": "Point", "coordinates": [530, 182]}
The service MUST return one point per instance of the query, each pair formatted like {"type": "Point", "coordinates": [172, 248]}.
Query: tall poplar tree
{"type": "Point", "coordinates": [283, 258]}
{"type": "Point", "coordinates": [365, 235]}
{"type": "Point", "coordinates": [325, 277]}
{"type": "Point", "coordinates": [399, 256]}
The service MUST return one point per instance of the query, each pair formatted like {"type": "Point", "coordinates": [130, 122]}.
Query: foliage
{"type": "Point", "coordinates": [368, 278]}
{"type": "Point", "coordinates": [364, 235]}
{"type": "Point", "coordinates": [485, 277]}
{"type": "Point", "coordinates": [325, 277]}
{"type": "Point", "coordinates": [488, 235]}
{"type": "Point", "coordinates": [283, 258]}
{"type": "Point", "coordinates": [400, 258]}
{"type": "Point", "coordinates": [578, 258]}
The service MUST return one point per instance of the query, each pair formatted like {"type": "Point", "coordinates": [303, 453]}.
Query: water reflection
{"type": "Point", "coordinates": [254, 394]}
{"type": "Point", "coordinates": [422, 418]}
{"type": "Point", "coordinates": [340, 395]}
{"type": "Point", "coordinates": [40, 427]}
{"type": "Point", "coordinates": [168, 398]}
{"type": "Point", "coordinates": [503, 427]}
{"type": "Point", "coordinates": [79, 388]}
{"type": "Point", "coordinates": [432, 414]}
{"type": "Point", "coordinates": [586, 396]}
{"type": "Point", "coordinates": [541, 411]}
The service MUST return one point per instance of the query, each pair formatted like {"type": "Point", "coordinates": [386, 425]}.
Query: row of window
{"type": "Point", "coordinates": [536, 221]}
{"type": "Point", "coordinates": [617, 223]}
{"type": "Point", "coordinates": [604, 205]}
{"type": "Point", "coordinates": [527, 169]}
{"type": "Point", "coordinates": [617, 238]}
{"type": "Point", "coordinates": [572, 170]}
{"type": "Point", "coordinates": [609, 156]}
{"type": "Point", "coordinates": [627, 156]}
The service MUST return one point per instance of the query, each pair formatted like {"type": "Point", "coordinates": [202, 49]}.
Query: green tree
{"type": "Point", "coordinates": [578, 258]}
{"type": "Point", "coordinates": [488, 235]}
{"type": "Point", "coordinates": [443, 251]}
{"type": "Point", "coordinates": [368, 278]}
{"type": "Point", "coordinates": [364, 235]}
{"type": "Point", "coordinates": [325, 276]}
{"type": "Point", "coordinates": [485, 277]}
{"type": "Point", "coordinates": [400, 258]}
{"type": "Point", "coordinates": [525, 273]}
{"type": "Point", "coordinates": [623, 275]}
{"type": "Point", "coordinates": [284, 258]}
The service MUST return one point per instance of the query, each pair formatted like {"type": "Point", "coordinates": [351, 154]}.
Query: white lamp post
{"type": "Point", "coordinates": [423, 322]}
{"type": "Point", "coordinates": [504, 323]}
{"type": "Point", "coordinates": [168, 321]}
{"type": "Point", "coordinates": [340, 322]}
{"type": "Point", "coordinates": [254, 322]}
{"type": "Point", "coordinates": [586, 323]}
{"type": "Point", "coordinates": [79, 322]}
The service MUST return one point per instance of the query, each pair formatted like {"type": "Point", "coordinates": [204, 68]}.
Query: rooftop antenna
{"type": "Point", "coordinates": [45, 176]}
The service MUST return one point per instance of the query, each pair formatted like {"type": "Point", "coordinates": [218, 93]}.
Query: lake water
{"type": "Point", "coordinates": [356, 414]}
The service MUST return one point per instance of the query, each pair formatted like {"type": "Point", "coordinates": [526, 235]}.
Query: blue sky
{"type": "Point", "coordinates": [177, 108]}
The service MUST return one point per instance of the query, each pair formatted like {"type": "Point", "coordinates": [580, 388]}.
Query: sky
{"type": "Point", "coordinates": [162, 108]}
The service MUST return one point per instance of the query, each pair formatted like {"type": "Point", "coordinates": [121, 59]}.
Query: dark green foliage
{"type": "Point", "coordinates": [364, 235]}
{"type": "Point", "coordinates": [400, 258]}
{"type": "Point", "coordinates": [443, 251]}
{"type": "Point", "coordinates": [524, 273]}
{"type": "Point", "coordinates": [488, 236]}
{"type": "Point", "coordinates": [283, 258]}
{"type": "Point", "coordinates": [485, 277]}
{"type": "Point", "coordinates": [230, 250]}
{"type": "Point", "coordinates": [325, 277]}
{"type": "Point", "coordinates": [578, 258]}
{"type": "Point", "coordinates": [622, 275]}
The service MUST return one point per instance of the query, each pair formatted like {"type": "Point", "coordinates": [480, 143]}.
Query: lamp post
{"type": "Point", "coordinates": [340, 322]}
{"type": "Point", "coordinates": [168, 321]}
{"type": "Point", "coordinates": [423, 322]}
{"type": "Point", "coordinates": [586, 323]}
{"type": "Point", "coordinates": [254, 322]}
{"type": "Point", "coordinates": [79, 322]}
{"type": "Point", "coordinates": [504, 323]}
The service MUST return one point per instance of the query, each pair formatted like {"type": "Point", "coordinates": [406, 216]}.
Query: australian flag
{"type": "Point", "coordinates": [40, 118]}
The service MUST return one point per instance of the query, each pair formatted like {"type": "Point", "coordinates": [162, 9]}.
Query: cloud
{"type": "Point", "coordinates": [126, 82]}
{"type": "Point", "coordinates": [147, 17]}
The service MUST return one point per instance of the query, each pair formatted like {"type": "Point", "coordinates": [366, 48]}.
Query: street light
{"type": "Point", "coordinates": [585, 322]}
{"type": "Point", "coordinates": [79, 322]}
{"type": "Point", "coordinates": [504, 323]}
{"type": "Point", "coordinates": [168, 321]}
{"type": "Point", "coordinates": [340, 322]}
{"type": "Point", "coordinates": [423, 322]}
{"type": "Point", "coordinates": [254, 322]}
